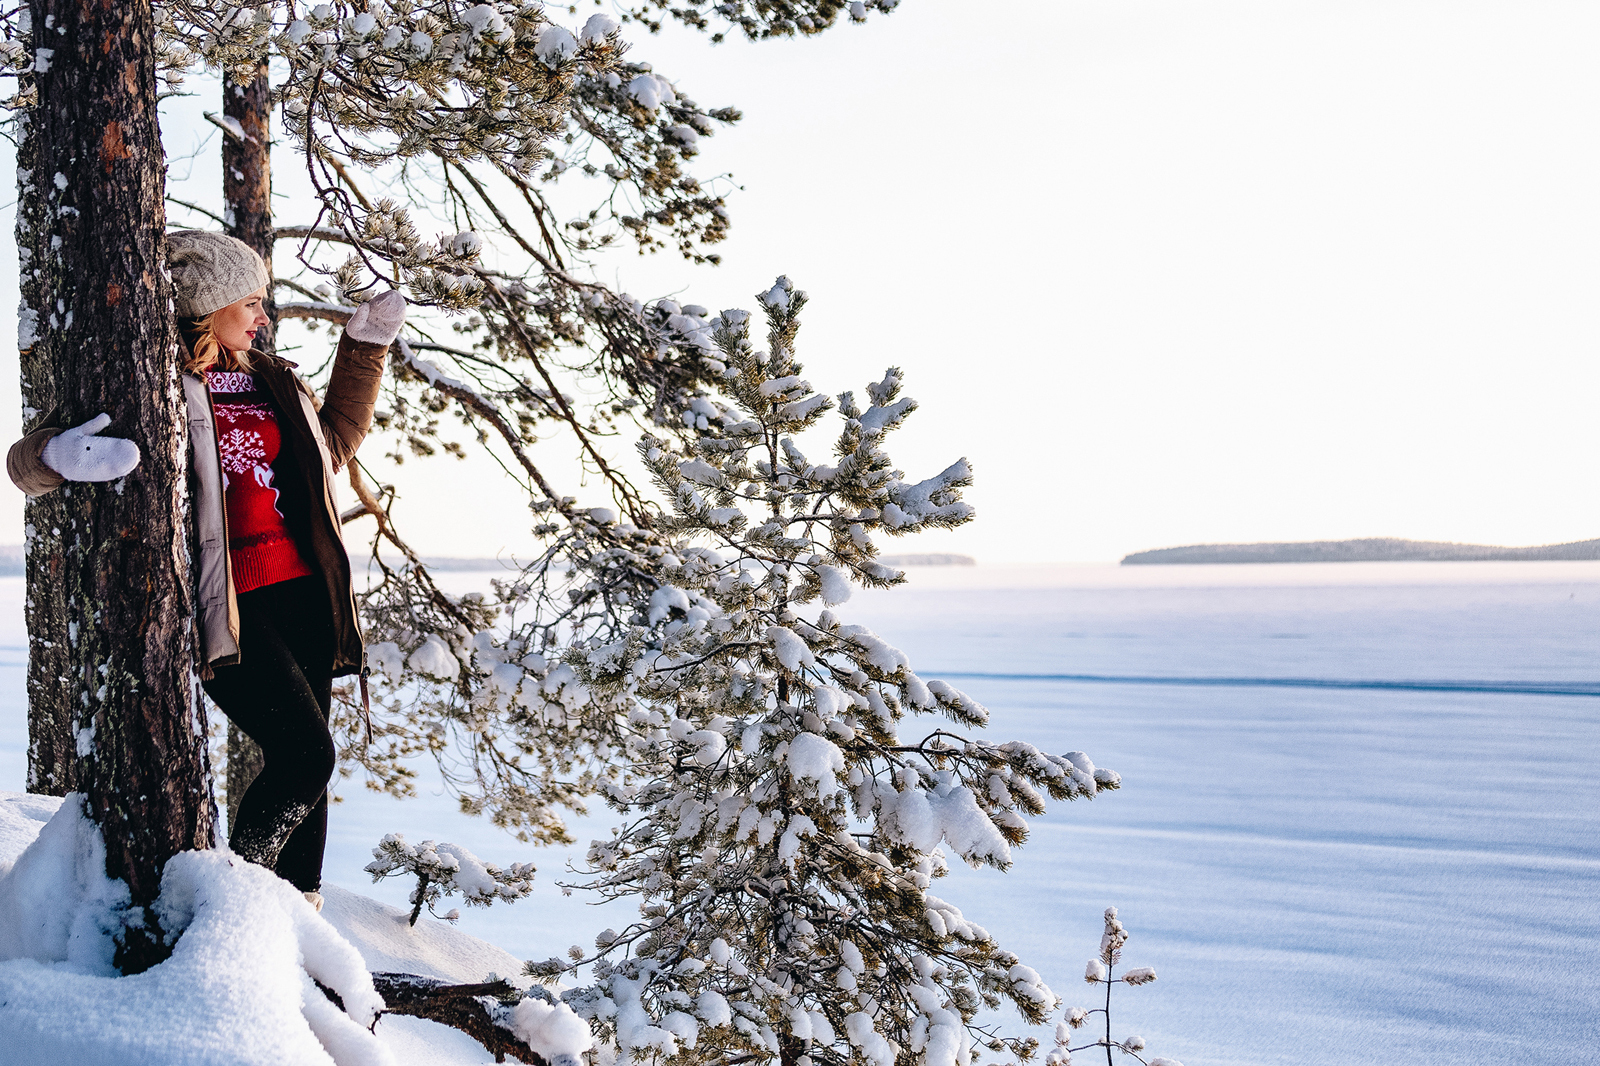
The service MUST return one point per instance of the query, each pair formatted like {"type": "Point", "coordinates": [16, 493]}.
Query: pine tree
{"type": "Point", "coordinates": [785, 796]}
{"type": "Point", "coordinates": [474, 93]}
{"type": "Point", "coordinates": [112, 707]}
{"type": "Point", "coordinates": [443, 870]}
{"type": "Point", "coordinates": [780, 830]}
{"type": "Point", "coordinates": [1100, 971]}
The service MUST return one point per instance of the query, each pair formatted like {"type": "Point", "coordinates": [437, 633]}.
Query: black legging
{"type": "Point", "coordinates": [279, 694]}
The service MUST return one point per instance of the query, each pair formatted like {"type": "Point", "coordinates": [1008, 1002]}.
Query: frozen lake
{"type": "Point", "coordinates": [1360, 819]}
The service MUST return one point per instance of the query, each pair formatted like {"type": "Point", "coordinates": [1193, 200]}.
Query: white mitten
{"type": "Point", "coordinates": [378, 320]}
{"type": "Point", "coordinates": [78, 455]}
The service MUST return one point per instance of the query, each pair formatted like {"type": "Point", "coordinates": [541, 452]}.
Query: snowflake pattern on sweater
{"type": "Point", "coordinates": [244, 451]}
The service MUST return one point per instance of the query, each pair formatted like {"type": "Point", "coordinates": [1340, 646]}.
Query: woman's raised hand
{"type": "Point", "coordinates": [78, 455]}
{"type": "Point", "coordinates": [378, 320]}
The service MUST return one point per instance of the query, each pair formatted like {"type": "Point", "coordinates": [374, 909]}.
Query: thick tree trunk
{"type": "Point", "coordinates": [247, 193]}
{"type": "Point", "coordinates": [112, 695]}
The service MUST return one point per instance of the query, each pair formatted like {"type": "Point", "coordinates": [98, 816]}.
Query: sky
{"type": "Point", "coordinates": [1165, 272]}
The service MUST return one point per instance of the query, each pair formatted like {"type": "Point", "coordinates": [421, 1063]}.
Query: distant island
{"type": "Point", "coordinates": [1365, 550]}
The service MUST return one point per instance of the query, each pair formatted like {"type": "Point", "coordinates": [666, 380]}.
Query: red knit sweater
{"type": "Point", "coordinates": [260, 546]}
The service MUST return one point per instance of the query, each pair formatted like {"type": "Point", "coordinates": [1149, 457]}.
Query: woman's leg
{"type": "Point", "coordinates": [278, 695]}
{"type": "Point", "coordinates": [300, 861]}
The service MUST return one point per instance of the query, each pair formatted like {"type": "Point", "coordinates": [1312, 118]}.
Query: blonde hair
{"type": "Point", "coordinates": [205, 351]}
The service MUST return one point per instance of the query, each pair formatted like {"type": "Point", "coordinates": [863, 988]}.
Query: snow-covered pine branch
{"type": "Point", "coordinates": [787, 794]}
{"type": "Point", "coordinates": [444, 870]}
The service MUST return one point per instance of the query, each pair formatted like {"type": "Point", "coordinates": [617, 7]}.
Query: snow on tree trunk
{"type": "Point", "coordinates": [113, 711]}
{"type": "Point", "coordinates": [247, 192]}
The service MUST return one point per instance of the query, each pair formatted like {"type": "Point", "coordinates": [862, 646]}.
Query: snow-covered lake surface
{"type": "Point", "coordinates": [1377, 839]}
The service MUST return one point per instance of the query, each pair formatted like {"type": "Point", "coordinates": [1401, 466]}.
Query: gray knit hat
{"type": "Point", "coordinates": [211, 270]}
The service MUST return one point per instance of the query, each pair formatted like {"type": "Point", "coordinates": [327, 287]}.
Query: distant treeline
{"type": "Point", "coordinates": [11, 561]}
{"type": "Point", "coordinates": [888, 560]}
{"type": "Point", "coordinates": [1365, 550]}
{"type": "Point", "coordinates": [929, 559]}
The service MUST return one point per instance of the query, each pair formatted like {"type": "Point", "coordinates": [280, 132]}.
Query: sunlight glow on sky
{"type": "Point", "coordinates": [1166, 272]}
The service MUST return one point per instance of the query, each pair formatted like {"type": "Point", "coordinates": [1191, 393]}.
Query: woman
{"type": "Point", "coordinates": [277, 614]}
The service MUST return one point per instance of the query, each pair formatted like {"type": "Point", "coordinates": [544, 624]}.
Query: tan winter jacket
{"type": "Point", "coordinates": [331, 434]}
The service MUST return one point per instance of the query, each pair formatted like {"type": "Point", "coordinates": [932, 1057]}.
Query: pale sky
{"type": "Point", "coordinates": [1166, 272]}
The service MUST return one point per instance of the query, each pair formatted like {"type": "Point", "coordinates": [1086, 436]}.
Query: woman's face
{"type": "Point", "coordinates": [237, 324]}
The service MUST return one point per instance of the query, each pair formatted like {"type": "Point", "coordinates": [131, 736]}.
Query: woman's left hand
{"type": "Point", "coordinates": [378, 321]}
{"type": "Point", "coordinates": [77, 454]}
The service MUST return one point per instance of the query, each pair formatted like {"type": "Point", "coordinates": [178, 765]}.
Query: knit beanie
{"type": "Point", "coordinates": [211, 270]}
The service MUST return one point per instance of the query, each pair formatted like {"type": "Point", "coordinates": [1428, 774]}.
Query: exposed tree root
{"type": "Point", "coordinates": [460, 1007]}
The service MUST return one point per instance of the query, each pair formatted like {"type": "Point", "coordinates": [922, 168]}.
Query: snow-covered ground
{"type": "Point", "coordinates": [1323, 875]}
{"type": "Point", "coordinates": [238, 988]}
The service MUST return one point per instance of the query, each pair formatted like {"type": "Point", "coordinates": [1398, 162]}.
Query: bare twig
{"type": "Point", "coordinates": [197, 209]}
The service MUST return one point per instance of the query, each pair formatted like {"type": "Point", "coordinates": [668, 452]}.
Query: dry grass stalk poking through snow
{"type": "Point", "coordinates": [1099, 972]}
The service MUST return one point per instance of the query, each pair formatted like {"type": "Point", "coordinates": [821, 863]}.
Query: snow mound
{"type": "Point", "coordinates": [240, 985]}
{"type": "Point", "coordinates": [21, 815]}
{"type": "Point", "coordinates": [234, 992]}
{"type": "Point", "coordinates": [389, 944]}
{"type": "Point", "coordinates": [55, 893]}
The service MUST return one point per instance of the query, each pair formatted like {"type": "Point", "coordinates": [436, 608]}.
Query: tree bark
{"type": "Point", "coordinates": [113, 711]}
{"type": "Point", "coordinates": [247, 166]}
{"type": "Point", "coordinates": [247, 196]}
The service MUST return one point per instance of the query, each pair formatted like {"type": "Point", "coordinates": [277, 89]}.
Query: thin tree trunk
{"type": "Point", "coordinates": [247, 194]}
{"type": "Point", "coordinates": [247, 173]}
{"type": "Point", "coordinates": [244, 763]}
{"type": "Point", "coordinates": [112, 706]}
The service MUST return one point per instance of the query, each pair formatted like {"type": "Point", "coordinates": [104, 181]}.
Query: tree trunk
{"type": "Point", "coordinates": [112, 695]}
{"type": "Point", "coordinates": [247, 193]}
{"type": "Point", "coordinates": [247, 174]}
